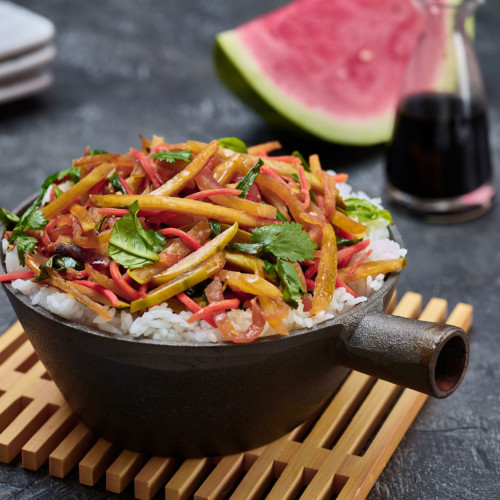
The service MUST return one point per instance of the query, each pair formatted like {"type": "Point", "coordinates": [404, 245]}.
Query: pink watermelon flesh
{"type": "Point", "coordinates": [342, 57]}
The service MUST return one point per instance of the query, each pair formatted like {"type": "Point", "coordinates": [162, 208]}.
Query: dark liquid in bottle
{"type": "Point", "coordinates": [440, 147]}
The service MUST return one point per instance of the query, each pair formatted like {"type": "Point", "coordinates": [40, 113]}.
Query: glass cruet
{"type": "Point", "coordinates": [438, 163]}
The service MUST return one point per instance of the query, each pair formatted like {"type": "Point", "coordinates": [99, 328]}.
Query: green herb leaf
{"type": "Point", "coordinates": [93, 152]}
{"type": "Point", "coordinates": [292, 287]}
{"type": "Point", "coordinates": [313, 196]}
{"type": "Point", "coordinates": [246, 183]}
{"type": "Point", "coordinates": [268, 267]}
{"type": "Point", "coordinates": [36, 220]}
{"type": "Point", "coordinates": [24, 244]}
{"type": "Point", "coordinates": [8, 219]}
{"type": "Point", "coordinates": [131, 245]}
{"type": "Point", "coordinates": [58, 262]}
{"type": "Point", "coordinates": [343, 242]}
{"type": "Point", "coordinates": [303, 161]}
{"type": "Point", "coordinates": [295, 177]}
{"type": "Point", "coordinates": [215, 227]}
{"type": "Point", "coordinates": [287, 241]}
{"type": "Point", "coordinates": [171, 156]}
{"type": "Point", "coordinates": [280, 216]}
{"type": "Point", "coordinates": [365, 211]}
{"type": "Point", "coordinates": [233, 143]}
{"type": "Point", "coordinates": [250, 248]}
{"type": "Point", "coordinates": [99, 225]}
{"type": "Point", "coordinates": [117, 185]}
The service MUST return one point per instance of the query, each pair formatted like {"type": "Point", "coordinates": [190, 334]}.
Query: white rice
{"type": "Point", "coordinates": [161, 323]}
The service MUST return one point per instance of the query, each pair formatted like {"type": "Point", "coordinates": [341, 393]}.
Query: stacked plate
{"type": "Point", "coordinates": [25, 50]}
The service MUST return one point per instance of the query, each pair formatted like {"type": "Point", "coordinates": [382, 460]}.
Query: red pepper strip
{"type": "Point", "coordinates": [119, 280]}
{"type": "Point", "coordinates": [321, 202]}
{"type": "Point", "coordinates": [143, 290]}
{"type": "Point", "coordinates": [97, 187]}
{"type": "Point", "coordinates": [343, 234]}
{"type": "Point", "coordinates": [100, 289]}
{"type": "Point", "coordinates": [310, 284]}
{"type": "Point", "coordinates": [271, 173]}
{"type": "Point", "coordinates": [82, 274]}
{"type": "Point", "coordinates": [125, 185]}
{"type": "Point", "coordinates": [359, 261]}
{"type": "Point", "coordinates": [211, 192]}
{"type": "Point", "coordinates": [254, 194]}
{"type": "Point", "coordinates": [213, 308]}
{"type": "Point", "coordinates": [345, 255]}
{"type": "Point", "coordinates": [147, 165]}
{"type": "Point", "coordinates": [312, 270]}
{"type": "Point", "coordinates": [181, 234]}
{"type": "Point", "coordinates": [45, 236]}
{"type": "Point", "coordinates": [52, 193]}
{"type": "Point", "coordinates": [193, 307]}
{"type": "Point", "coordinates": [225, 325]}
{"type": "Point", "coordinates": [23, 275]}
{"type": "Point", "coordinates": [304, 189]}
{"type": "Point", "coordinates": [340, 284]}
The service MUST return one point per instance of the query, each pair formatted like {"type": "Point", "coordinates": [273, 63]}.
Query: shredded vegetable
{"type": "Point", "coordinates": [235, 226]}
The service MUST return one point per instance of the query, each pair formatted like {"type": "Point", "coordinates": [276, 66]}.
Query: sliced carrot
{"type": "Point", "coordinates": [23, 275]}
{"type": "Point", "coordinates": [223, 305]}
{"type": "Point", "coordinates": [169, 231]}
{"type": "Point", "coordinates": [193, 307]}
{"type": "Point", "coordinates": [99, 289]}
{"type": "Point", "coordinates": [114, 270]}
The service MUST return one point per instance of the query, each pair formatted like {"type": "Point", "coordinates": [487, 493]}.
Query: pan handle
{"type": "Point", "coordinates": [428, 357]}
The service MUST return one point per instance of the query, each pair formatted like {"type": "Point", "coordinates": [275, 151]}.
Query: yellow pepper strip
{"type": "Point", "coordinates": [327, 272]}
{"type": "Point", "coordinates": [180, 283]}
{"type": "Point", "coordinates": [212, 247]}
{"type": "Point", "coordinates": [178, 181]}
{"type": "Point", "coordinates": [266, 147]}
{"type": "Point", "coordinates": [371, 269]}
{"type": "Point", "coordinates": [315, 164]}
{"type": "Point", "coordinates": [196, 146]}
{"type": "Point", "coordinates": [246, 262]}
{"type": "Point", "coordinates": [347, 223]}
{"type": "Point", "coordinates": [103, 237]}
{"type": "Point", "coordinates": [172, 254]}
{"type": "Point", "coordinates": [105, 281]}
{"type": "Point", "coordinates": [247, 206]}
{"type": "Point", "coordinates": [181, 205]}
{"type": "Point", "coordinates": [156, 141]}
{"type": "Point", "coordinates": [97, 297]}
{"type": "Point", "coordinates": [83, 217]}
{"type": "Point", "coordinates": [224, 172]}
{"type": "Point", "coordinates": [60, 203]}
{"type": "Point", "coordinates": [272, 199]}
{"type": "Point", "coordinates": [117, 159]}
{"type": "Point", "coordinates": [274, 311]}
{"type": "Point", "coordinates": [283, 168]}
{"type": "Point", "coordinates": [251, 283]}
{"type": "Point", "coordinates": [240, 236]}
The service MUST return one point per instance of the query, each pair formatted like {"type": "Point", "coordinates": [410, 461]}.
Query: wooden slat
{"type": "Point", "coordinates": [341, 451]}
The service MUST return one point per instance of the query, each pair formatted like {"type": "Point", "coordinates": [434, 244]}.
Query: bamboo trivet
{"type": "Point", "coordinates": [342, 452]}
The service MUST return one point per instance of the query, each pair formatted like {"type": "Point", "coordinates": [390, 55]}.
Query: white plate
{"type": "Point", "coordinates": [24, 87]}
{"type": "Point", "coordinates": [27, 63]}
{"type": "Point", "coordinates": [22, 30]}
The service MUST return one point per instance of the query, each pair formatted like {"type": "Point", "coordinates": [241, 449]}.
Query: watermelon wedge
{"type": "Point", "coordinates": [331, 68]}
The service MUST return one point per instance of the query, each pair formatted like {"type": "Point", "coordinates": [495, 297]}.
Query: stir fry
{"type": "Point", "coordinates": [202, 227]}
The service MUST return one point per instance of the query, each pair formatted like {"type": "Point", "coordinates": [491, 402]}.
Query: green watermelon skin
{"type": "Point", "coordinates": [242, 68]}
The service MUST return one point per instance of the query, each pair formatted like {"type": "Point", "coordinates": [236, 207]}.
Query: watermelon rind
{"type": "Point", "coordinates": [241, 74]}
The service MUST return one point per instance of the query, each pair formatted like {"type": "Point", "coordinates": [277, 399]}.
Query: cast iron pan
{"type": "Point", "coordinates": [193, 400]}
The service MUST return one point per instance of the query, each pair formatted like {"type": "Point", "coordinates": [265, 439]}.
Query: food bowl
{"type": "Point", "coordinates": [207, 399]}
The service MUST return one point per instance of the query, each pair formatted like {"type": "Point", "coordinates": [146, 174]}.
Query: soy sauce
{"type": "Point", "coordinates": [440, 147]}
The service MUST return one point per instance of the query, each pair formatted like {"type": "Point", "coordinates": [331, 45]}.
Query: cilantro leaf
{"type": "Point", "coordinates": [171, 156]}
{"type": "Point", "coordinates": [58, 262]}
{"type": "Point", "coordinates": [93, 152]}
{"type": "Point", "coordinates": [287, 241]}
{"type": "Point", "coordinates": [8, 219]}
{"type": "Point", "coordinates": [25, 244]}
{"type": "Point", "coordinates": [303, 161]}
{"type": "Point", "coordinates": [365, 211]}
{"type": "Point", "coordinates": [131, 245]}
{"type": "Point", "coordinates": [117, 185]}
{"type": "Point", "coordinates": [246, 183]}
{"type": "Point", "coordinates": [292, 287]}
{"type": "Point", "coordinates": [233, 143]}
{"type": "Point", "coordinates": [36, 220]}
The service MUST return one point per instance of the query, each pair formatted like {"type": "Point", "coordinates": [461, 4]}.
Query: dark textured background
{"type": "Point", "coordinates": [127, 67]}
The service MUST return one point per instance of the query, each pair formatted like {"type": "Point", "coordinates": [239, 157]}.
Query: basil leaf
{"type": "Point", "coordinates": [117, 185]}
{"type": "Point", "coordinates": [365, 211]}
{"type": "Point", "coordinates": [303, 161]}
{"type": "Point", "coordinates": [58, 262]}
{"type": "Point", "coordinates": [93, 152]}
{"type": "Point", "coordinates": [171, 156]}
{"type": "Point", "coordinates": [292, 287]}
{"type": "Point", "coordinates": [8, 219]}
{"type": "Point", "coordinates": [215, 227]}
{"type": "Point", "coordinates": [131, 245]}
{"type": "Point", "coordinates": [234, 144]}
{"type": "Point", "coordinates": [246, 183]}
